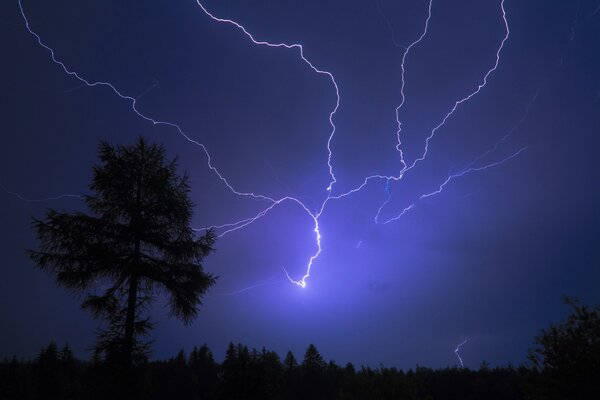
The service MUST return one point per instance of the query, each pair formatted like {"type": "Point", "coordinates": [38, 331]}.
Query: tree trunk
{"type": "Point", "coordinates": [130, 320]}
{"type": "Point", "coordinates": [133, 280]}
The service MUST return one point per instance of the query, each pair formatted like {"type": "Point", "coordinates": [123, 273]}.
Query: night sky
{"type": "Point", "coordinates": [488, 259]}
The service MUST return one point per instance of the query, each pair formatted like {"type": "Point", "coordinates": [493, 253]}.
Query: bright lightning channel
{"type": "Point", "coordinates": [133, 102]}
{"type": "Point", "coordinates": [232, 227]}
{"type": "Point", "coordinates": [310, 64]}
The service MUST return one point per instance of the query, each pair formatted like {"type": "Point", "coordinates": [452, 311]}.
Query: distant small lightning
{"type": "Point", "coordinates": [456, 352]}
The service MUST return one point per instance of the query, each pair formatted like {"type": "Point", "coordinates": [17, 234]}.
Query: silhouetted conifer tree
{"type": "Point", "coordinates": [313, 361]}
{"type": "Point", "coordinates": [135, 241]}
{"type": "Point", "coordinates": [204, 370]}
{"type": "Point", "coordinates": [313, 374]}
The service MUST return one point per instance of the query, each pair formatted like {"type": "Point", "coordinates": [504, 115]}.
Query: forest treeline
{"type": "Point", "coordinates": [257, 374]}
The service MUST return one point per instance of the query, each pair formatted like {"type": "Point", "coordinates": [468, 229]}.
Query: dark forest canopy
{"type": "Point", "coordinates": [256, 374]}
{"type": "Point", "coordinates": [565, 366]}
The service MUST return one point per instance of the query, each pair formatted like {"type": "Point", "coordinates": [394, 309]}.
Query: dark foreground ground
{"type": "Point", "coordinates": [251, 374]}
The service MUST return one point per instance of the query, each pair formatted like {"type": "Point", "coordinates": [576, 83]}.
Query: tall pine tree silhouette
{"type": "Point", "coordinates": [135, 243]}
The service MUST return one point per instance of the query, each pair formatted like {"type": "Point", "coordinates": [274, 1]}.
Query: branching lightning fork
{"type": "Point", "coordinates": [273, 202]}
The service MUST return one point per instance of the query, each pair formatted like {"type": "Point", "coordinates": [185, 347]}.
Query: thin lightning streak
{"type": "Point", "coordinates": [511, 131]}
{"type": "Point", "coordinates": [133, 102]}
{"type": "Point", "coordinates": [446, 117]}
{"type": "Point", "coordinates": [450, 178]}
{"type": "Point", "coordinates": [469, 168]}
{"type": "Point", "coordinates": [309, 63]}
{"type": "Point", "coordinates": [70, 90]}
{"type": "Point", "coordinates": [389, 25]}
{"type": "Point", "coordinates": [403, 82]}
{"type": "Point", "coordinates": [228, 225]}
{"type": "Point", "coordinates": [399, 107]}
{"type": "Point", "coordinates": [43, 199]}
{"type": "Point", "coordinates": [472, 169]}
{"type": "Point", "coordinates": [155, 84]}
{"type": "Point", "coordinates": [382, 206]}
{"type": "Point", "coordinates": [243, 223]}
{"type": "Point", "coordinates": [456, 352]}
{"type": "Point", "coordinates": [246, 289]}
{"type": "Point", "coordinates": [467, 98]}
{"type": "Point", "coordinates": [443, 122]}
{"type": "Point", "coordinates": [398, 122]}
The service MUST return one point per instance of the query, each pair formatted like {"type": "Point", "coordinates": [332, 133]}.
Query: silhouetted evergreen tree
{"type": "Point", "coordinates": [569, 354]}
{"type": "Point", "coordinates": [204, 370]}
{"type": "Point", "coordinates": [291, 383]}
{"type": "Point", "coordinates": [46, 370]}
{"type": "Point", "coordinates": [313, 374]}
{"type": "Point", "coordinates": [269, 375]}
{"type": "Point", "coordinates": [135, 241]}
{"type": "Point", "coordinates": [233, 385]}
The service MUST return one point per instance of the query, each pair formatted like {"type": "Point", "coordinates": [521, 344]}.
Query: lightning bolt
{"type": "Point", "coordinates": [273, 202]}
{"type": "Point", "coordinates": [135, 109]}
{"type": "Point", "coordinates": [443, 121]}
{"type": "Point", "coordinates": [133, 103]}
{"type": "Point", "coordinates": [403, 82]}
{"type": "Point", "coordinates": [457, 103]}
{"type": "Point", "coordinates": [470, 95]}
{"type": "Point", "coordinates": [306, 61]}
{"type": "Point", "coordinates": [470, 167]}
{"type": "Point", "coordinates": [456, 352]}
